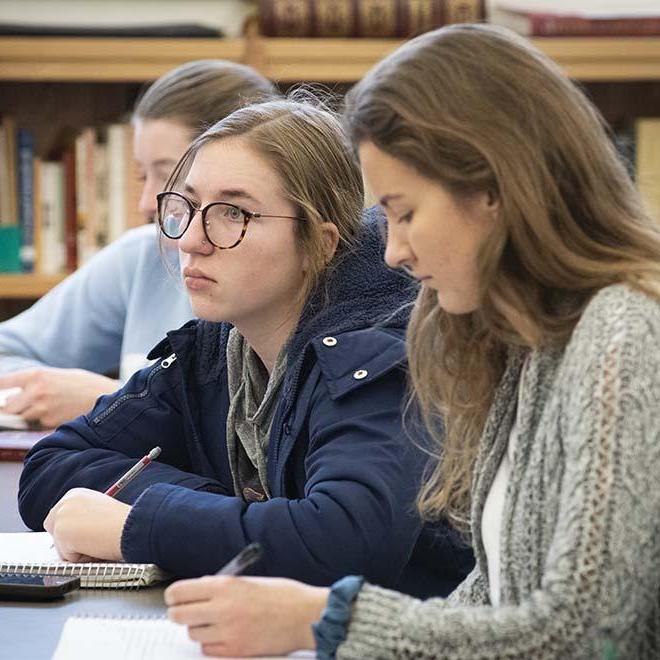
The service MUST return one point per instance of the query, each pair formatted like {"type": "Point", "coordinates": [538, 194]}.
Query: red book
{"type": "Point", "coordinates": [70, 211]}
{"type": "Point", "coordinates": [15, 444]}
{"type": "Point", "coordinates": [577, 23]}
{"type": "Point", "coordinates": [363, 18]}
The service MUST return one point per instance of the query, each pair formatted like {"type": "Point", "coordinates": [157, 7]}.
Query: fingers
{"type": "Point", "coordinates": [191, 591]}
{"type": "Point", "coordinates": [18, 403]}
{"type": "Point", "coordinates": [205, 634]}
{"type": "Point", "coordinates": [16, 379]}
{"type": "Point", "coordinates": [192, 614]}
{"type": "Point", "coordinates": [214, 650]}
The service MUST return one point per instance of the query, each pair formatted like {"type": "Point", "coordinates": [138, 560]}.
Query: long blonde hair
{"type": "Point", "coordinates": [479, 109]}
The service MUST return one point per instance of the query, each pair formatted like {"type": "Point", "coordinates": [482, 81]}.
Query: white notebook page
{"type": "Point", "coordinates": [27, 548]}
{"type": "Point", "coordinates": [129, 639]}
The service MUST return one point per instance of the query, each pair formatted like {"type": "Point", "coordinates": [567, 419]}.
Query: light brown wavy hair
{"type": "Point", "coordinates": [305, 144]}
{"type": "Point", "coordinates": [479, 109]}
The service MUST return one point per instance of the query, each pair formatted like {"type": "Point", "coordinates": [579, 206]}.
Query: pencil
{"type": "Point", "coordinates": [133, 472]}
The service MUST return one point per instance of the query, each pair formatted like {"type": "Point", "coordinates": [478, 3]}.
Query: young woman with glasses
{"type": "Point", "coordinates": [105, 317]}
{"type": "Point", "coordinates": [279, 415]}
{"type": "Point", "coordinates": [535, 335]}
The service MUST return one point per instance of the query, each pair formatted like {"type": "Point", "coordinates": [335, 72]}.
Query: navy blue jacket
{"type": "Point", "coordinates": [341, 470]}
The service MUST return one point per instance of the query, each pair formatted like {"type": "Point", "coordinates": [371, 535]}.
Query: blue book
{"type": "Point", "coordinates": [25, 184]}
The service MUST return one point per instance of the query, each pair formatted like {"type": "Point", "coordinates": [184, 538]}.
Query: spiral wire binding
{"type": "Point", "coordinates": [94, 575]}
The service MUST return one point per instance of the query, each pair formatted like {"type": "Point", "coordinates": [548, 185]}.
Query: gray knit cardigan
{"type": "Point", "coordinates": [580, 554]}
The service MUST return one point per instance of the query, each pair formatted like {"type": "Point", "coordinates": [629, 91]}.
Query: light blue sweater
{"type": "Point", "coordinates": [106, 315]}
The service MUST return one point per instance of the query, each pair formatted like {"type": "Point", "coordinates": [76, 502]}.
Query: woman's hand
{"type": "Point", "coordinates": [244, 616]}
{"type": "Point", "coordinates": [87, 524]}
{"type": "Point", "coordinates": [52, 396]}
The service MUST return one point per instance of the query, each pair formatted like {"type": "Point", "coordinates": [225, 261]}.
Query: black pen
{"type": "Point", "coordinates": [246, 557]}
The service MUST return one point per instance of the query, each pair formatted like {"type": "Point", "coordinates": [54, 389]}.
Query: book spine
{"type": "Point", "coordinates": [52, 255]}
{"type": "Point", "coordinates": [70, 219]}
{"type": "Point", "coordinates": [363, 18]}
{"type": "Point", "coordinates": [12, 454]}
{"type": "Point", "coordinates": [554, 25]}
{"type": "Point", "coordinates": [25, 193]}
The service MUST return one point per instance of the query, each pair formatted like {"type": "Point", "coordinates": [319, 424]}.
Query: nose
{"type": "Point", "coordinates": [397, 252]}
{"type": "Point", "coordinates": [147, 204]}
{"type": "Point", "coordinates": [194, 239]}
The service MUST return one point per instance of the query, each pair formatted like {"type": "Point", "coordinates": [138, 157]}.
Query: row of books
{"type": "Point", "coordinates": [407, 18]}
{"type": "Point", "coordinates": [56, 214]}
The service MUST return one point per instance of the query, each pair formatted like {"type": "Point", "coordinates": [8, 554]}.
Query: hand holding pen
{"type": "Point", "coordinates": [126, 478]}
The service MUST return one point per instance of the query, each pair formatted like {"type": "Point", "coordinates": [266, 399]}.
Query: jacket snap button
{"type": "Point", "coordinates": [329, 341]}
{"type": "Point", "coordinates": [360, 374]}
{"type": "Point", "coordinates": [287, 429]}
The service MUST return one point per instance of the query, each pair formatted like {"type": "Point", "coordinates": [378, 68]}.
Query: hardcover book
{"type": "Point", "coordinates": [363, 18]}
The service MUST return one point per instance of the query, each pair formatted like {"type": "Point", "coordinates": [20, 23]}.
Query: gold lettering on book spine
{"type": "Point", "coordinates": [377, 18]}
{"type": "Point", "coordinates": [292, 18]}
{"type": "Point", "coordinates": [463, 11]}
{"type": "Point", "coordinates": [334, 18]}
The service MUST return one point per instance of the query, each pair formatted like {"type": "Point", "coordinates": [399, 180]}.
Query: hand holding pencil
{"type": "Point", "coordinates": [86, 524]}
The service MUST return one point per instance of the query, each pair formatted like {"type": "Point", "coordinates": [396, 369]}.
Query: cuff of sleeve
{"type": "Point", "coordinates": [377, 618]}
{"type": "Point", "coordinates": [136, 546]}
{"type": "Point", "coordinates": [330, 630]}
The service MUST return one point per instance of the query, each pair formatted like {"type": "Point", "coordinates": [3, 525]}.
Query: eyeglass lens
{"type": "Point", "coordinates": [224, 222]}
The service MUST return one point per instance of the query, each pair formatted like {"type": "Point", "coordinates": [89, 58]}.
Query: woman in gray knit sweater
{"type": "Point", "coordinates": [535, 336]}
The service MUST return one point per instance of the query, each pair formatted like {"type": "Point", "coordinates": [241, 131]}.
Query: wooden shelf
{"type": "Point", "coordinates": [65, 59]}
{"type": "Point", "coordinates": [17, 285]}
{"type": "Point", "coordinates": [287, 60]}
{"type": "Point", "coordinates": [347, 60]}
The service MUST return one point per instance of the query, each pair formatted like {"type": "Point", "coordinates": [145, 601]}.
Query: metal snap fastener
{"type": "Point", "coordinates": [329, 341]}
{"type": "Point", "coordinates": [360, 374]}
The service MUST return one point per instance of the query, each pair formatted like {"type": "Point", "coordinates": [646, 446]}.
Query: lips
{"type": "Point", "coordinates": [195, 273]}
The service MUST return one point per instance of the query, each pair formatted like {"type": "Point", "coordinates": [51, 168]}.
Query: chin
{"type": "Point", "coordinates": [207, 310]}
{"type": "Point", "coordinates": [456, 305]}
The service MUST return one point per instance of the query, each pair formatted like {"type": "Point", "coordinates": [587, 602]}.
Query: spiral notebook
{"type": "Point", "coordinates": [130, 639]}
{"type": "Point", "coordinates": [31, 552]}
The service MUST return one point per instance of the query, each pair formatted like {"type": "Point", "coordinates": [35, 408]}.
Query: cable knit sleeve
{"type": "Point", "coordinates": [598, 577]}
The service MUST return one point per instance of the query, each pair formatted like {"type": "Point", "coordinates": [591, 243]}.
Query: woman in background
{"type": "Point", "coordinates": [107, 315]}
{"type": "Point", "coordinates": [535, 337]}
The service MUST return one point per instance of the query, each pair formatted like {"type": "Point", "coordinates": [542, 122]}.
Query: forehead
{"type": "Point", "coordinates": [160, 139]}
{"type": "Point", "coordinates": [386, 174]}
{"type": "Point", "coordinates": [231, 163]}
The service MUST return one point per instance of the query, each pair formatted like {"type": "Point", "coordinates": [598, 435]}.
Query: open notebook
{"type": "Point", "coordinates": [31, 553]}
{"type": "Point", "coordinates": [129, 639]}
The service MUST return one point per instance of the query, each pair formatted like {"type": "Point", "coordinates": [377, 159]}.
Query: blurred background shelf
{"type": "Point", "coordinates": [286, 60]}
{"type": "Point", "coordinates": [30, 286]}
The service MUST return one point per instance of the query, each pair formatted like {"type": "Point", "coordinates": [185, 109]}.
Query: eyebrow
{"type": "Point", "coordinates": [384, 201]}
{"type": "Point", "coordinates": [228, 194]}
{"type": "Point", "coordinates": [164, 161]}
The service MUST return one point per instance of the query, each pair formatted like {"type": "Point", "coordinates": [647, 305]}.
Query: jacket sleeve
{"type": "Point", "coordinates": [85, 453]}
{"type": "Point", "coordinates": [80, 323]}
{"type": "Point", "coordinates": [357, 512]}
{"type": "Point", "coordinates": [600, 583]}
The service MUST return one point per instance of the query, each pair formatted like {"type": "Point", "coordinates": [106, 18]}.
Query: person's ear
{"type": "Point", "coordinates": [330, 239]}
{"type": "Point", "coordinates": [492, 201]}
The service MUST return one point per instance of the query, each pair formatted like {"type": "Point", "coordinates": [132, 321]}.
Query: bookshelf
{"type": "Point", "coordinates": [286, 60]}
{"type": "Point", "coordinates": [30, 286]}
{"type": "Point", "coordinates": [85, 79]}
